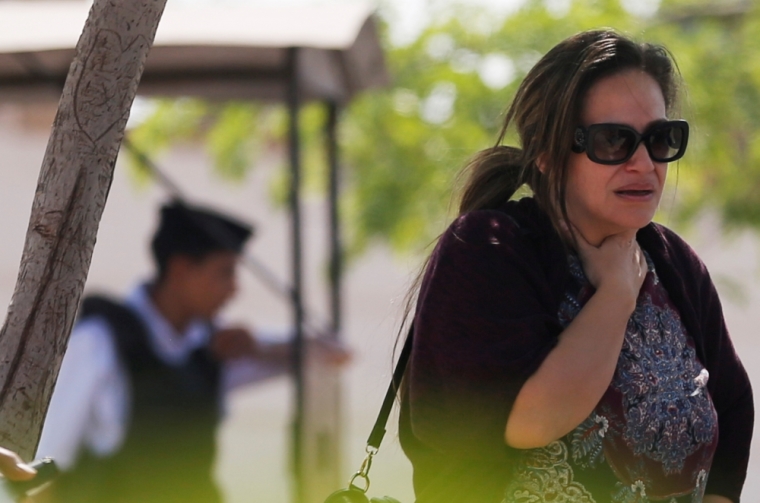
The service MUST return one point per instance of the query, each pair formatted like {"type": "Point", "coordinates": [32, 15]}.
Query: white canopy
{"type": "Point", "coordinates": [211, 51]}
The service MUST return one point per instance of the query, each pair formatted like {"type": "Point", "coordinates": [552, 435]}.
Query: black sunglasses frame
{"type": "Point", "coordinates": [582, 135]}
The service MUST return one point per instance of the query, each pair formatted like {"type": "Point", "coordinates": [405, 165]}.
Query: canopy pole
{"type": "Point", "coordinates": [294, 151]}
{"type": "Point", "coordinates": [336, 249]}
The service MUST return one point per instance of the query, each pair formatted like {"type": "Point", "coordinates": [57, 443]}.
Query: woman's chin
{"type": "Point", "coordinates": [634, 221]}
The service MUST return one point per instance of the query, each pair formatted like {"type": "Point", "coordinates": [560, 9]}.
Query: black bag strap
{"type": "Point", "coordinates": [378, 431]}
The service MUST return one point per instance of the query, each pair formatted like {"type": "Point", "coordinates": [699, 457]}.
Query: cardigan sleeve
{"type": "Point", "coordinates": [731, 392]}
{"type": "Point", "coordinates": [485, 321]}
{"type": "Point", "coordinates": [729, 386]}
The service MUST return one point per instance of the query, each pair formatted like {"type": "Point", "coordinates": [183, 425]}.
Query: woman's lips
{"type": "Point", "coordinates": [635, 194]}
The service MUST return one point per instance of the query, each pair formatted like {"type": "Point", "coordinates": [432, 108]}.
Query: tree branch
{"type": "Point", "coordinates": [71, 193]}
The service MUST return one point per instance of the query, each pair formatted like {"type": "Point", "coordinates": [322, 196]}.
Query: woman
{"type": "Point", "coordinates": [566, 348]}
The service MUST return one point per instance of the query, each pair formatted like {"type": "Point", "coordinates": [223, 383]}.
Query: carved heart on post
{"type": "Point", "coordinates": [100, 88]}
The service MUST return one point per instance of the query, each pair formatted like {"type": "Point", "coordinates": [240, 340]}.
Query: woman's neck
{"type": "Point", "coordinates": [592, 233]}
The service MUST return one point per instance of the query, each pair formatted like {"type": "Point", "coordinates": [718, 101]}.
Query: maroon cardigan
{"type": "Point", "coordinates": [486, 319]}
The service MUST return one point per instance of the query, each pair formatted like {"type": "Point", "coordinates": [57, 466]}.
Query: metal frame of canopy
{"type": "Point", "coordinates": [284, 54]}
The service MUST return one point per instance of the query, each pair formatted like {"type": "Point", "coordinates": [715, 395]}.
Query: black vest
{"type": "Point", "coordinates": [169, 449]}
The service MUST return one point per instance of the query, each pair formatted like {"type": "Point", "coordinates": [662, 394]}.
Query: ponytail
{"type": "Point", "coordinates": [492, 177]}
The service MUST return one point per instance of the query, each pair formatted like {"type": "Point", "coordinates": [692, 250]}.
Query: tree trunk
{"type": "Point", "coordinates": [71, 193]}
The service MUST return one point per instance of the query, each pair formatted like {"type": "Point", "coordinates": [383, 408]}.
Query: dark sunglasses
{"type": "Point", "coordinates": [616, 143]}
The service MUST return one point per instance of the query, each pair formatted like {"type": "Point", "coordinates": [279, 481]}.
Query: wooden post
{"type": "Point", "coordinates": [71, 193]}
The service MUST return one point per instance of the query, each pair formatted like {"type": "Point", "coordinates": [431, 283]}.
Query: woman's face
{"type": "Point", "coordinates": [603, 200]}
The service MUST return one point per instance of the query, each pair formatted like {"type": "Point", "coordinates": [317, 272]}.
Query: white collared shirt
{"type": "Point", "coordinates": [90, 407]}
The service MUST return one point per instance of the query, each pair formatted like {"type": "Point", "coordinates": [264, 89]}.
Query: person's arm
{"type": "Point", "coordinates": [486, 318]}
{"type": "Point", "coordinates": [577, 372]}
{"type": "Point", "coordinates": [232, 343]}
{"type": "Point", "coordinates": [249, 359]}
{"type": "Point", "coordinates": [239, 342]}
{"type": "Point", "coordinates": [730, 389]}
{"type": "Point", "coordinates": [86, 373]}
{"type": "Point", "coordinates": [13, 467]}
{"type": "Point", "coordinates": [690, 287]}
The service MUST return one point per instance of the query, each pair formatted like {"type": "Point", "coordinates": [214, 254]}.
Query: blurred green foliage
{"type": "Point", "coordinates": [403, 146]}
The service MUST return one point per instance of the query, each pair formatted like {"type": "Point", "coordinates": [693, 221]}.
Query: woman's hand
{"type": "Point", "coordinates": [617, 266]}
{"type": "Point", "coordinates": [577, 372]}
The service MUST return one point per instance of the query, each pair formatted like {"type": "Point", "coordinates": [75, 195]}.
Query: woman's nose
{"type": "Point", "coordinates": [640, 160]}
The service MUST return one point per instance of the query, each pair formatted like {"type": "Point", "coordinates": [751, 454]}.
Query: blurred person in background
{"type": "Point", "coordinates": [140, 393]}
{"type": "Point", "coordinates": [565, 347]}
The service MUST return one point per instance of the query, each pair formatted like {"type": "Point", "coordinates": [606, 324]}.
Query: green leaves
{"type": "Point", "coordinates": [402, 147]}
{"type": "Point", "coordinates": [718, 56]}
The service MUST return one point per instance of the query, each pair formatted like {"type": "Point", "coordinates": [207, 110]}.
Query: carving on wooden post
{"type": "Point", "coordinates": [71, 193]}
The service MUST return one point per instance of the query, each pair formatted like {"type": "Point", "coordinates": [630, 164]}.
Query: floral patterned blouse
{"type": "Point", "coordinates": [653, 434]}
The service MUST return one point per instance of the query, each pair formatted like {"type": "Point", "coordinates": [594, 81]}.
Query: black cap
{"type": "Point", "coordinates": [195, 231]}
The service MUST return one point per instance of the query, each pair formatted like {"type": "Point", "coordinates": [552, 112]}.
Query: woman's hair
{"type": "Point", "coordinates": [545, 112]}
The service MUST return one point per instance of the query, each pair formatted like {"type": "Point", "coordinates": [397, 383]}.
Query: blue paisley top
{"type": "Point", "coordinates": [653, 434]}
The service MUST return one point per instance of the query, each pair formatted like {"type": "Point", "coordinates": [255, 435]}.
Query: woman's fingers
{"type": "Point", "coordinates": [617, 262]}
